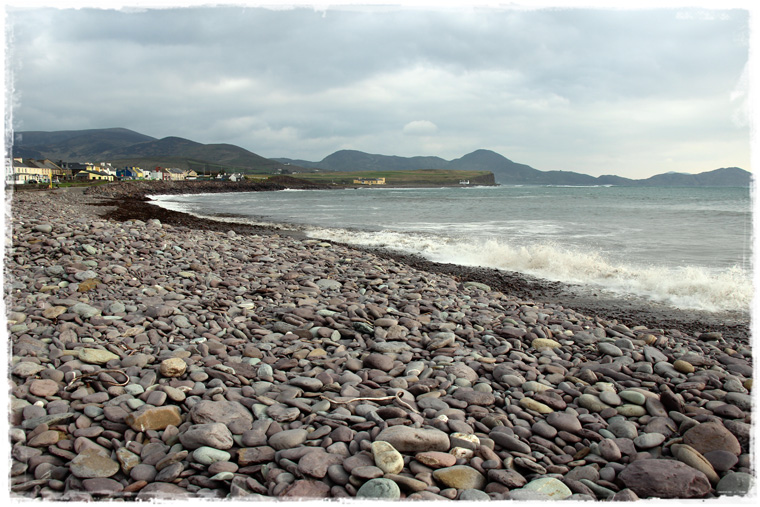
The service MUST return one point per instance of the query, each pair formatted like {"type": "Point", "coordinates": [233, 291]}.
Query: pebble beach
{"type": "Point", "coordinates": [156, 358]}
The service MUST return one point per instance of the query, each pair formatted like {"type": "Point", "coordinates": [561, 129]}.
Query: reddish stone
{"type": "Point", "coordinates": [154, 418]}
{"type": "Point", "coordinates": [664, 478]}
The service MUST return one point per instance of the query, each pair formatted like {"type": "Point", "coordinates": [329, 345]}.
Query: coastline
{"type": "Point", "coordinates": [629, 311]}
{"type": "Point", "coordinates": [158, 356]}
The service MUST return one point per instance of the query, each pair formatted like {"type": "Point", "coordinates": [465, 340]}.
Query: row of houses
{"type": "Point", "coordinates": [28, 171]}
{"type": "Point", "coordinates": [369, 181]}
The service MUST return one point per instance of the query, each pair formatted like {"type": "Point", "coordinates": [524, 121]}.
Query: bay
{"type": "Point", "coordinates": [690, 248]}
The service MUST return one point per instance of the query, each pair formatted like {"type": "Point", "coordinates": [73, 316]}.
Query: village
{"type": "Point", "coordinates": [30, 171]}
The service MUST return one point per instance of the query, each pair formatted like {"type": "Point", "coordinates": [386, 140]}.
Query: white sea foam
{"type": "Point", "coordinates": [689, 287]}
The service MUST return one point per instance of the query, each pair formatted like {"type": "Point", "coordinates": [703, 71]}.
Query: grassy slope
{"type": "Point", "coordinates": [420, 177]}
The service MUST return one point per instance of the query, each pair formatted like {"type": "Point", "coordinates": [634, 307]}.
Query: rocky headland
{"type": "Point", "coordinates": [156, 355]}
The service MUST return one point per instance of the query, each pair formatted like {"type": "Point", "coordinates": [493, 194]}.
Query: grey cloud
{"type": "Point", "coordinates": [303, 83]}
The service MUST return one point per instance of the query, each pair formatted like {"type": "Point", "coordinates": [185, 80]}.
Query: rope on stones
{"type": "Point", "coordinates": [95, 373]}
{"type": "Point", "coordinates": [396, 397]}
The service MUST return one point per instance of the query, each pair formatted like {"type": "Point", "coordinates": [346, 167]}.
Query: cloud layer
{"type": "Point", "coordinates": [631, 92]}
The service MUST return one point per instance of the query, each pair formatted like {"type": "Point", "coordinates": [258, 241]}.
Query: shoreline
{"type": "Point", "coordinates": [628, 311]}
{"type": "Point", "coordinates": [177, 358]}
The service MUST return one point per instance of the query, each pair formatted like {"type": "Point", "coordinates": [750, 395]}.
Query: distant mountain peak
{"type": "Point", "coordinates": [127, 146]}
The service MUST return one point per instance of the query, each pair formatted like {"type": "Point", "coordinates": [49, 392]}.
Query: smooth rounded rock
{"type": "Point", "coordinates": [735, 484]}
{"type": "Point", "coordinates": [381, 489]}
{"type": "Point", "coordinates": [662, 478]}
{"type": "Point", "coordinates": [407, 439]}
{"type": "Point", "coordinates": [552, 488]}
{"type": "Point", "coordinates": [710, 436]}
{"type": "Point", "coordinates": [387, 458]}
{"type": "Point", "coordinates": [460, 477]}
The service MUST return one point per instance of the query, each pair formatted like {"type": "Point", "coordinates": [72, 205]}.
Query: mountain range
{"type": "Point", "coordinates": [122, 147]}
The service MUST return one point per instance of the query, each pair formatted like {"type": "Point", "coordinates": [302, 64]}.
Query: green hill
{"type": "Point", "coordinates": [125, 147]}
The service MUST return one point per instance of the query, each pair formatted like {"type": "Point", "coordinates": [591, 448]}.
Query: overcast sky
{"type": "Point", "coordinates": [633, 92]}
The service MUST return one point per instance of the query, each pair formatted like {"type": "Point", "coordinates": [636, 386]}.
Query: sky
{"type": "Point", "coordinates": [632, 91]}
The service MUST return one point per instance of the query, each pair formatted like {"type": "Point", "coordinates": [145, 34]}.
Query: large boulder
{"type": "Point", "coordinates": [664, 478]}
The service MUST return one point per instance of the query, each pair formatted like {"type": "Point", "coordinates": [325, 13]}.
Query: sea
{"type": "Point", "coordinates": [685, 248]}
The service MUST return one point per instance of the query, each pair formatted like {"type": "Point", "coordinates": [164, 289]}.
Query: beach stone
{"type": "Point", "coordinates": [508, 477]}
{"type": "Point", "coordinates": [711, 436]}
{"type": "Point", "coordinates": [307, 383]}
{"type": "Point", "coordinates": [154, 418]}
{"type": "Point", "coordinates": [162, 491]}
{"type": "Point", "coordinates": [44, 439]}
{"type": "Point", "coordinates": [477, 285]}
{"type": "Point", "coordinates": [102, 486]}
{"type": "Point", "coordinates": [623, 428]}
{"type": "Point", "coordinates": [215, 435]}
{"type": "Point", "coordinates": [208, 455]}
{"type": "Point", "coordinates": [96, 356]}
{"type": "Point", "coordinates": [328, 284]}
{"type": "Point", "coordinates": [544, 429]}
{"type": "Point", "coordinates": [44, 387]}
{"type": "Point", "coordinates": [463, 440]}
{"type": "Point", "coordinates": [694, 459]}
{"type": "Point", "coordinates": [232, 414]}
{"type": "Point", "coordinates": [307, 488]}
{"type": "Point", "coordinates": [729, 411]}
{"type": "Point", "coordinates": [509, 442]}
{"type": "Point", "coordinates": [460, 370]}
{"type": "Point", "coordinates": [721, 461]}
{"type": "Point", "coordinates": [173, 367]}
{"type": "Point", "coordinates": [53, 312]}
{"type": "Point", "coordinates": [742, 431]}
{"type": "Point", "coordinates": [460, 477]}
{"type": "Point", "coordinates": [407, 439]}
{"type": "Point", "coordinates": [649, 440]}
{"type": "Point", "coordinates": [316, 462]}
{"type": "Point", "coordinates": [606, 348]}
{"type": "Point", "coordinates": [634, 397]}
{"type": "Point", "coordinates": [630, 410]}
{"type": "Point", "coordinates": [255, 455]}
{"type": "Point", "coordinates": [540, 343]}
{"type": "Point", "coordinates": [288, 439]}
{"type": "Point", "coordinates": [591, 402]}
{"type": "Point", "coordinates": [473, 495]}
{"type": "Point", "coordinates": [381, 489]}
{"type": "Point", "coordinates": [564, 421]}
{"type": "Point", "coordinates": [366, 473]}
{"type": "Point", "coordinates": [90, 463]}
{"type": "Point", "coordinates": [391, 347]}
{"type": "Point", "coordinates": [742, 400]}
{"type": "Point", "coordinates": [683, 366]}
{"type": "Point", "coordinates": [534, 386]}
{"type": "Point", "coordinates": [610, 398]}
{"type": "Point", "coordinates": [531, 404]}
{"type": "Point", "coordinates": [436, 459]}
{"type": "Point", "coordinates": [127, 459]}
{"type": "Point", "coordinates": [660, 478]}
{"type": "Point", "coordinates": [735, 484]}
{"type": "Point", "coordinates": [609, 450]}
{"type": "Point", "coordinates": [381, 362]}
{"type": "Point", "coordinates": [552, 488]}
{"type": "Point", "coordinates": [84, 310]}
{"type": "Point", "coordinates": [473, 397]}
{"type": "Point", "coordinates": [441, 340]}
{"type": "Point", "coordinates": [25, 369]}
{"type": "Point", "coordinates": [387, 458]}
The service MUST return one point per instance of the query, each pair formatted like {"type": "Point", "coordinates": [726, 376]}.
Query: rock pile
{"type": "Point", "coordinates": [151, 361]}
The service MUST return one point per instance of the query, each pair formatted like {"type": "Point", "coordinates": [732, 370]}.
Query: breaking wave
{"type": "Point", "coordinates": [685, 287]}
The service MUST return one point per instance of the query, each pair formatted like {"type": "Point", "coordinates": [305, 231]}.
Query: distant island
{"type": "Point", "coordinates": [123, 147]}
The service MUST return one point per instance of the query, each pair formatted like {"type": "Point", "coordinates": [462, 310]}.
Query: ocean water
{"type": "Point", "coordinates": [689, 248]}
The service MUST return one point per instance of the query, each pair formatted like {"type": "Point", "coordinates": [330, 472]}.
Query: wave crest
{"type": "Point", "coordinates": [686, 287]}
